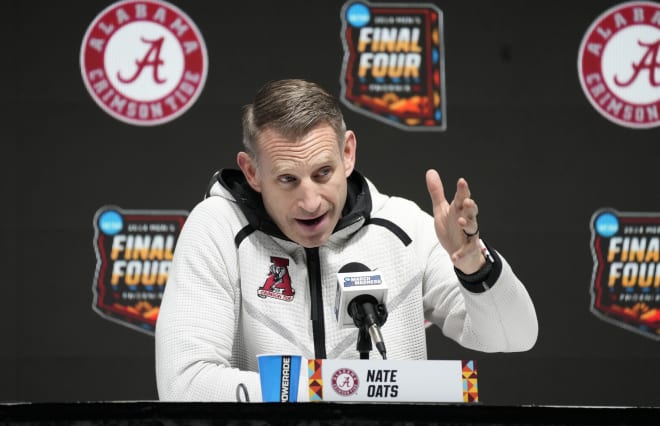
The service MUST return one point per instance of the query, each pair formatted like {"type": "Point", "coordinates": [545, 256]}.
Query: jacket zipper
{"type": "Point", "coordinates": [316, 296]}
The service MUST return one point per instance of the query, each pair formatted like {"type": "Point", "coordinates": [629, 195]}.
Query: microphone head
{"type": "Point", "coordinates": [354, 267]}
{"type": "Point", "coordinates": [356, 280]}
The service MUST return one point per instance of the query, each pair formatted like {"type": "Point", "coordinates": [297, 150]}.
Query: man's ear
{"type": "Point", "coordinates": [249, 169]}
{"type": "Point", "coordinates": [350, 146]}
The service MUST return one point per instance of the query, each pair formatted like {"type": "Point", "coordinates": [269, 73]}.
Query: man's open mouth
{"type": "Point", "coordinates": [311, 222]}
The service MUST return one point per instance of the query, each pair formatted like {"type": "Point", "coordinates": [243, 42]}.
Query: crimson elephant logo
{"type": "Point", "coordinates": [278, 282]}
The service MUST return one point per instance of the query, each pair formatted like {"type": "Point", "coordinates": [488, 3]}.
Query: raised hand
{"type": "Point", "coordinates": [456, 223]}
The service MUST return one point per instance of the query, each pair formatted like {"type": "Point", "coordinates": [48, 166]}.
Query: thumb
{"type": "Point", "coordinates": [435, 188]}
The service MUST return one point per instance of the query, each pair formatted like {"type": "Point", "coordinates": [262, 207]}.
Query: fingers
{"type": "Point", "coordinates": [435, 188]}
{"type": "Point", "coordinates": [462, 190]}
{"type": "Point", "coordinates": [463, 201]}
{"type": "Point", "coordinates": [468, 217]}
{"type": "Point", "coordinates": [468, 209]}
{"type": "Point", "coordinates": [469, 257]}
{"type": "Point", "coordinates": [465, 207]}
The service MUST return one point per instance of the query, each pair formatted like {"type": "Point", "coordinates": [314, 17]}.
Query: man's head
{"type": "Point", "coordinates": [298, 156]}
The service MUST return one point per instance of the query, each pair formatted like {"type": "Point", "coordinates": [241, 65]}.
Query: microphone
{"type": "Point", "coordinates": [360, 301]}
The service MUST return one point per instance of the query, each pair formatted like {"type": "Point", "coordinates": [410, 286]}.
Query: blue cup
{"type": "Point", "coordinates": [279, 375]}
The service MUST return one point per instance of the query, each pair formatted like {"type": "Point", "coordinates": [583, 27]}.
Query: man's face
{"type": "Point", "coordinates": [302, 182]}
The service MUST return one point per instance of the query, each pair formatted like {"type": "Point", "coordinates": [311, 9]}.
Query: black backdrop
{"type": "Point", "coordinates": [539, 158]}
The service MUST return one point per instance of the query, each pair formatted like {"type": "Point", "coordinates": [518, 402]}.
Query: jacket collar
{"type": "Point", "coordinates": [357, 207]}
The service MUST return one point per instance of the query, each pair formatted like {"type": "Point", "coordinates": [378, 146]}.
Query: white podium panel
{"type": "Point", "coordinates": [342, 380]}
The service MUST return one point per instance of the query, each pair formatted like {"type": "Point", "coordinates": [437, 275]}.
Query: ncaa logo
{"type": "Point", "coordinates": [619, 64]}
{"type": "Point", "coordinates": [345, 382]}
{"type": "Point", "coordinates": [143, 62]}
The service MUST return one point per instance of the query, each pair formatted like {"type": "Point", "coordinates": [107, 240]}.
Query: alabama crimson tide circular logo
{"type": "Point", "coordinates": [345, 382]}
{"type": "Point", "coordinates": [144, 62]}
{"type": "Point", "coordinates": [619, 64]}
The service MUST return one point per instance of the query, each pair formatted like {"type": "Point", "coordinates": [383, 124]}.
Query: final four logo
{"type": "Point", "coordinates": [393, 68]}
{"type": "Point", "coordinates": [625, 287]}
{"type": "Point", "coordinates": [134, 250]}
{"type": "Point", "coordinates": [143, 62]}
{"type": "Point", "coordinates": [619, 64]}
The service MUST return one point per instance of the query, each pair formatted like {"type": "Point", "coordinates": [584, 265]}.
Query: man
{"type": "Point", "coordinates": [255, 266]}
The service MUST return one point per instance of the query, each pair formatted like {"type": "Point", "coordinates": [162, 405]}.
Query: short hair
{"type": "Point", "coordinates": [292, 107]}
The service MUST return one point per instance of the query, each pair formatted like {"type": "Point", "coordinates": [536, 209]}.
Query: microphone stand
{"type": "Point", "coordinates": [364, 342]}
{"type": "Point", "coordinates": [377, 314]}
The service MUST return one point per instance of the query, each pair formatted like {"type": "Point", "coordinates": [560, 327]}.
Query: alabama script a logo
{"type": "Point", "coordinates": [278, 282]}
{"type": "Point", "coordinates": [143, 62]}
{"type": "Point", "coordinates": [345, 382]}
{"type": "Point", "coordinates": [619, 64]}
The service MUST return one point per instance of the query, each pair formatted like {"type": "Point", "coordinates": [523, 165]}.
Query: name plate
{"type": "Point", "coordinates": [343, 380]}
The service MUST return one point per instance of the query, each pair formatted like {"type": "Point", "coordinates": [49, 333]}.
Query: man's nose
{"type": "Point", "coordinates": [310, 197]}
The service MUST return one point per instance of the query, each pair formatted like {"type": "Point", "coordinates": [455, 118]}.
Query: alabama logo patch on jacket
{"type": "Point", "coordinates": [278, 282]}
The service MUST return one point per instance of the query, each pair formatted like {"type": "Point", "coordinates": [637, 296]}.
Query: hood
{"type": "Point", "coordinates": [358, 200]}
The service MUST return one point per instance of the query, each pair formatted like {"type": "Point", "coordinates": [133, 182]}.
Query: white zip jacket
{"type": "Point", "coordinates": [238, 287]}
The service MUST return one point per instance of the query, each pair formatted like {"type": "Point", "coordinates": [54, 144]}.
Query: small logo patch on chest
{"type": "Point", "coordinates": [278, 282]}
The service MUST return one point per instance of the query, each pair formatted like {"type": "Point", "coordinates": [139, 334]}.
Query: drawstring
{"type": "Point", "coordinates": [241, 388]}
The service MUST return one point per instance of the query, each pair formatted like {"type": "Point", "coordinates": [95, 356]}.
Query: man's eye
{"type": "Point", "coordinates": [286, 179]}
{"type": "Point", "coordinates": [325, 172]}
